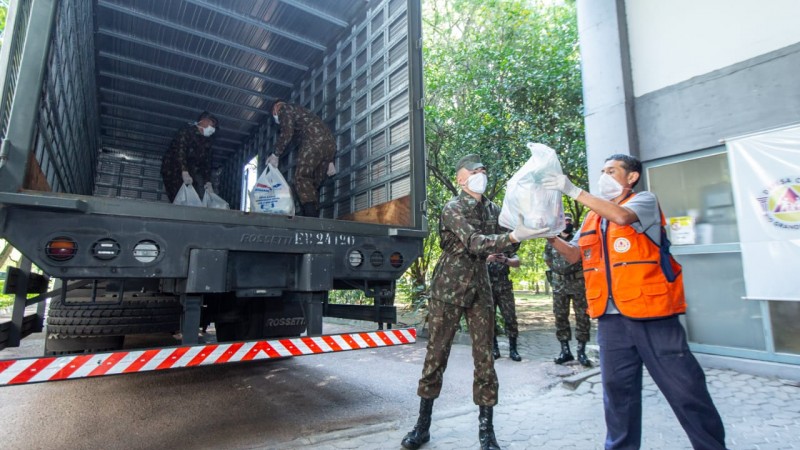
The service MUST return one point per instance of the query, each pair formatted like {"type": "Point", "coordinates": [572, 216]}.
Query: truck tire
{"type": "Point", "coordinates": [56, 344]}
{"type": "Point", "coordinates": [82, 324]}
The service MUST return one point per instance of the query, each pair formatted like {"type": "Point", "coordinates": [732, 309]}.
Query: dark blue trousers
{"type": "Point", "coordinates": [660, 344]}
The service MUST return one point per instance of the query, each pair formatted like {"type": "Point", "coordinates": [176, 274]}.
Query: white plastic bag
{"type": "Point", "coordinates": [272, 194]}
{"type": "Point", "coordinates": [212, 200]}
{"type": "Point", "coordinates": [187, 196]}
{"type": "Point", "coordinates": [525, 196]}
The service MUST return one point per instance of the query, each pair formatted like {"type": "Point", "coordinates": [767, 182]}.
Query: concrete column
{"type": "Point", "coordinates": [607, 85]}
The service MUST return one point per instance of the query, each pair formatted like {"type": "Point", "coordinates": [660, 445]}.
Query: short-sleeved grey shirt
{"type": "Point", "coordinates": [645, 206]}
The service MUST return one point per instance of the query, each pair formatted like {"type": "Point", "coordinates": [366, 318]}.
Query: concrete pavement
{"type": "Point", "coordinates": [759, 413]}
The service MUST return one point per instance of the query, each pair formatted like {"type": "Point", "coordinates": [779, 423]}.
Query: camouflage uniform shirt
{"type": "Point", "coordinates": [566, 278]}
{"type": "Point", "coordinates": [189, 151]}
{"type": "Point", "coordinates": [466, 238]}
{"type": "Point", "coordinates": [316, 148]}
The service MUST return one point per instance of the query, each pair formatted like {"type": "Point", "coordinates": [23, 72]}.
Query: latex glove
{"type": "Point", "coordinates": [331, 170]}
{"type": "Point", "coordinates": [273, 160]}
{"type": "Point", "coordinates": [523, 233]}
{"type": "Point", "coordinates": [561, 183]}
{"type": "Point", "coordinates": [187, 179]}
{"type": "Point", "coordinates": [209, 187]}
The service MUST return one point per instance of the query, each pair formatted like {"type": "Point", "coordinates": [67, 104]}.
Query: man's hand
{"type": "Point", "coordinates": [209, 188]}
{"type": "Point", "coordinates": [523, 233]}
{"type": "Point", "coordinates": [561, 183]}
{"type": "Point", "coordinates": [273, 160]}
{"type": "Point", "coordinates": [187, 179]}
{"type": "Point", "coordinates": [496, 257]}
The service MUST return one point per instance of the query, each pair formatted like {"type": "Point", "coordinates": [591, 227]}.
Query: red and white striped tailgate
{"type": "Point", "coordinates": [37, 370]}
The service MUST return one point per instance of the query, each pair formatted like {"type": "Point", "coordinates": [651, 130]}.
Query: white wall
{"type": "Point", "coordinates": [674, 40]}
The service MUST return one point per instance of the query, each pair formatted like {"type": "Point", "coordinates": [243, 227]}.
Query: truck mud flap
{"type": "Point", "coordinates": [38, 370]}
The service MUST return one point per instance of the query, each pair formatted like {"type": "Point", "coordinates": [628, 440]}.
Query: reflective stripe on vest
{"type": "Point", "coordinates": [633, 268]}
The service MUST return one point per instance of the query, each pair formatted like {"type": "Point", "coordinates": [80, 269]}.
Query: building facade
{"type": "Point", "coordinates": [669, 83]}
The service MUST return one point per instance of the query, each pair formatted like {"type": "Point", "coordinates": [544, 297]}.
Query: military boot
{"type": "Point", "coordinates": [565, 355]}
{"type": "Point", "coordinates": [486, 429]}
{"type": "Point", "coordinates": [512, 353]}
{"type": "Point", "coordinates": [421, 432]}
{"type": "Point", "coordinates": [495, 349]}
{"type": "Point", "coordinates": [582, 354]}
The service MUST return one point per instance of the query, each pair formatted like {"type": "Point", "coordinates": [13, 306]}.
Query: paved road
{"type": "Point", "coordinates": [366, 400]}
{"type": "Point", "coordinates": [253, 405]}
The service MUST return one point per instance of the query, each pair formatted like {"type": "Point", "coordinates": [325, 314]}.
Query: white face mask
{"type": "Point", "coordinates": [208, 131]}
{"type": "Point", "coordinates": [275, 116]}
{"type": "Point", "coordinates": [609, 187]}
{"type": "Point", "coordinates": [477, 182]}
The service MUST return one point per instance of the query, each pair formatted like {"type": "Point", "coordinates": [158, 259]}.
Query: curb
{"type": "Point", "coordinates": [573, 381]}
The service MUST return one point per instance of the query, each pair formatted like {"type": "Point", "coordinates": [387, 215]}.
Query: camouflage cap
{"type": "Point", "coordinates": [470, 162]}
{"type": "Point", "coordinates": [567, 216]}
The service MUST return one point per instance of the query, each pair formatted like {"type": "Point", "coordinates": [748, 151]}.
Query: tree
{"type": "Point", "coordinates": [498, 74]}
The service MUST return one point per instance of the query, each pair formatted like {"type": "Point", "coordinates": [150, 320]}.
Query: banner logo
{"type": "Point", "coordinates": [781, 203]}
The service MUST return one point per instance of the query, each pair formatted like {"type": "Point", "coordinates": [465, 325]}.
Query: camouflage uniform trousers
{"type": "Point", "coordinates": [503, 294]}
{"type": "Point", "coordinates": [562, 294]}
{"type": "Point", "coordinates": [313, 158]}
{"type": "Point", "coordinates": [443, 320]}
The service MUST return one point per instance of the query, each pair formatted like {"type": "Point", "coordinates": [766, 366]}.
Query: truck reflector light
{"type": "Point", "coordinates": [376, 259]}
{"type": "Point", "coordinates": [355, 258]}
{"type": "Point", "coordinates": [105, 249]}
{"type": "Point", "coordinates": [61, 249]}
{"type": "Point", "coordinates": [396, 260]}
{"type": "Point", "coordinates": [146, 251]}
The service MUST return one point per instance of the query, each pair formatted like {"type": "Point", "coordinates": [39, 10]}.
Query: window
{"type": "Point", "coordinates": [696, 194]}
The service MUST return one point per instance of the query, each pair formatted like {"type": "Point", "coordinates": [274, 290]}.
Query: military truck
{"type": "Point", "coordinates": [92, 94]}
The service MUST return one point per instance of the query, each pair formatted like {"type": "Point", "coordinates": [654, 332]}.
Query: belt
{"type": "Point", "coordinates": [567, 277]}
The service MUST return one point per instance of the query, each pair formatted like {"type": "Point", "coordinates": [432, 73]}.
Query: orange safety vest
{"type": "Point", "coordinates": [631, 264]}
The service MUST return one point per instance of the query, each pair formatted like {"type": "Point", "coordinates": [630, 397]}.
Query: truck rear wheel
{"type": "Point", "coordinates": [83, 324]}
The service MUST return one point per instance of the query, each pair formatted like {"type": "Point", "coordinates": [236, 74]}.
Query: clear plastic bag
{"type": "Point", "coordinates": [539, 207]}
{"type": "Point", "coordinates": [272, 194]}
{"type": "Point", "coordinates": [212, 200]}
{"type": "Point", "coordinates": [187, 196]}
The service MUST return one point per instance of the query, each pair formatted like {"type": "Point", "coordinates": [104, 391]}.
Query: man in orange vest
{"type": "Point", "coordinates": [635, 289]}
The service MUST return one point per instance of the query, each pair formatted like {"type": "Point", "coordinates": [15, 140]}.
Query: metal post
{"type": "Point", "coordinates": [18, 313]}
{"type": "Point", "coordinates": [313, 310]}
{"type": "Point", "coordinates": [190, 320]}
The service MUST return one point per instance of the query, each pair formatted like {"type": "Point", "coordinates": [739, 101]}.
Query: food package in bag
{"type": "Point", "coordinates": [525, 196]}
{"type": "Point", "coordinates": [212, 200]}
{"type": "Point", "coordinates": [187, 196]}
{"type": "Point", "coordinates": [272, 194]}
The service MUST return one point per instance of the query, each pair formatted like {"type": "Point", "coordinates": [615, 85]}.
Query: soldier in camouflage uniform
{"type": "Point", "coordinates": [460, 287]}
{"type": "Point", "coordinates": [568, 283]}
{"type": "Point", "coordinates": [188, 158]}
{"type": "Point", "coordinates": [502, 287]}
{"type": "Point", "coordinates": [315, 151]}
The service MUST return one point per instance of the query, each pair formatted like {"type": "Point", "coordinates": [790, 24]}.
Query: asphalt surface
{"type": "Point", "coordinates": [366, 400]}
{"type": "Point", "coordinates": [758, 413]}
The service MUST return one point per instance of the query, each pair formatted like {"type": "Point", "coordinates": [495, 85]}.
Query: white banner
{"type": "Point", "coordinates": [765, 172]}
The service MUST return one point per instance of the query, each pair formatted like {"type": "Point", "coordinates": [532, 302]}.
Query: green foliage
{"type": "Point", "coordinates": [348, 297]}
{"type": "Point", "coordinates": [498, 74]}
{"type": "Point", "coordinates": [3, 16]}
